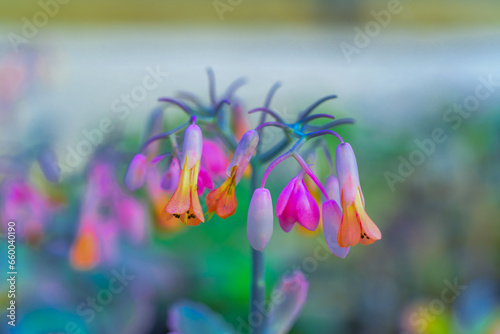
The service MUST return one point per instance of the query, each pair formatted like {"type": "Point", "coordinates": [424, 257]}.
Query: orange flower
{"type": "Point", "coordinates": [356, 226]}
{"type": "Point", "coordinates": [84, 254]}
{"type": "Point", "coordinates": [222, 200]}
{"type": "Point", "coordinates": [185, 204]}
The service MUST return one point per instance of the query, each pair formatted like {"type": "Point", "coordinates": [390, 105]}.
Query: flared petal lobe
{"type": "Point", "coordinates": [222, 200]}
{"type": "Point", "coordinates": [296, 204]}
{"type": "Point", "coordinates": [260, 219]}
{"type": "Point", "coordinates": [332, 217]}
{"type": "Point", "coordinates": [356, 226]}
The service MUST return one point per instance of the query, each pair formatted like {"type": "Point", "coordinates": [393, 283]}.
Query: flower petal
{"type": "Point", "coordinates": [332, 187]}
{"type": "Point", "coordinates": [368, 227]}
{"type": "Point", "coordinates": [180, 201]}
{"type": "Point", "coordinates": [195, 201]}
{"type": "Point", "coordinates": [292, 292]}
{"type": "Point", "coordinates": [260, 219]}
{"type": "Point", "coordinates": [204, 181]}
{"type": "Point", "coordinates": [284, 196]}
{"type": "Point", "coordinates": [226, 204]}
{"type": "Point", "coordinates": [350, 228]}
{"type": "Point", "coordinates": [213, 159]}
{"type": "Point", "coordinates": [307, 209]}
{"type": "Point", "coordinates": [332, 217]}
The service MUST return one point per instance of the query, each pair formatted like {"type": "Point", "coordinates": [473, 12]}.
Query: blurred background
{"type": "Point", "coordinates": [79, 79]}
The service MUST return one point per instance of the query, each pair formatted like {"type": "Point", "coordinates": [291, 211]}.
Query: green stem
{"type": "Point", "coordinates": [258, 284]}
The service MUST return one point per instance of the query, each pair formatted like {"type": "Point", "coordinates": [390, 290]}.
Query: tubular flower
{"type": "Point", "coordinates": [332, 217]}
{"type": "Point", "coordinates": [296, 204]}
{"type": "Point", "coordinates": [222, 200]}
{"type": "Point", "coordinates": [355, 226]}
{"type": "Point", "coordinates": [185, 204]}
{"type": "Point", "coordinates": [260, 219]}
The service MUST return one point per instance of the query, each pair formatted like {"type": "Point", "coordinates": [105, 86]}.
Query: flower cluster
{"type": "Point", "coordinates": [200, 163]}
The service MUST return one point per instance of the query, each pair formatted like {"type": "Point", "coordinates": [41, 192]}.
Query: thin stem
{"type": "Point", "coordinates": [315, 105]}
{"type": "Point", "coordinates": [273, 164]}
{"type": "Point", "coordinates": [231, 89]}
{"type": "Point", "coordinates": [269, 154]}
{"type": "Point", "coordinates": [270, 112]}
{"type": "Point", "coordinates": [330, 124]}
{"type": "Point", "coordinates": [258, 285]}
{"type": "Point", "coordinates": [276, 124]}
{"type": "Point", "coordinates": [282, 158]}
{"type": "Point", "coordinates": [211, 85]}
{"type": "Point", "coordinates": [165, 134]}
{"type": "Point", "coordinates": [220, 105]}
{"type": "Point", "coordinates": [324, 132]}
{"type": "Point", "coordinates": [316, 116]}
{"type": "Point", "coordinates": [271, 93]}
{"type": "Point", "coordinates": [309, 172]}
{"type": "Point", "coordinates": [180, 104]}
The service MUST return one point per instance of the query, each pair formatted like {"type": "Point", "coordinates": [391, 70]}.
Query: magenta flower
{"type": "Point", "coordinates": [107, 212]}
{"type": "Point", "coordinates": [296, 204]}
{"type": "Point", "coordinates": [22, 204]}
{"type": "Point", "coordinates": [213, 159]}
{"type": "Point", "coordinates": [260, 219]}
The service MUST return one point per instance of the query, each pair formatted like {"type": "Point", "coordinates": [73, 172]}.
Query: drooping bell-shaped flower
{"type": "Point", "coordinates": [296, 204]}
{"type": "Point", "coordinates": [185, 204]}
{"type": "Point", "coordinates": [355, 226]}
{"type": "Point", "coordinates": [222, 200]}
{"type": "Point", "coordinates": [136, 172]}
{"type": "Point", "coordinates": [260, 219]}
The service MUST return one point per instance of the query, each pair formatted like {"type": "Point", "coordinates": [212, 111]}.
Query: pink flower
{"type": "Point", "coordinates": [170, 179]}
{"type": "Point", "coordinates": [260, 219]}
{"type": "Point", "coordinates": [24, 205]}
{"type": "Point", "coordinates": [296, 204]}
{"type": "Point", "coordinates": [136, 172]}
{"type": "Point", "coordinates": [213, 159]}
